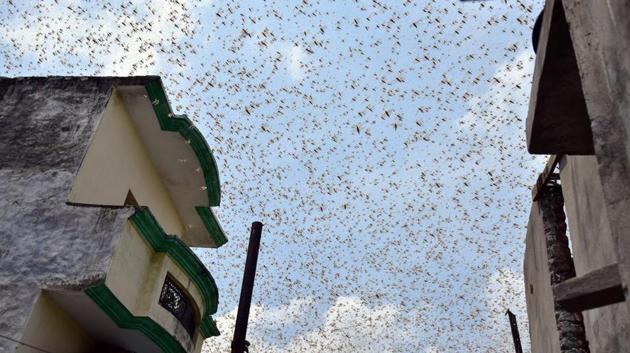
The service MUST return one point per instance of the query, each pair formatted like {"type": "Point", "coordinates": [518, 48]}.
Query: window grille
{"type": "Point", "coordinates": [178, 303]}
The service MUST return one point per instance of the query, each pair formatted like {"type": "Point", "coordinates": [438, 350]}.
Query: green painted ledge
{"type": "Point", "coordinates": [107, 301]}
{"type": "Point", "coordinates": [180, 123]}
{"type": "Point", "coordinates": [178, 251]}
{"type": "Point", "coordinates": [214, 228]}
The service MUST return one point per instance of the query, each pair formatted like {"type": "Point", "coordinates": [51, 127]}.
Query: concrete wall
{"type": "Point", "coordinates": [45, 128]}
{"type": "Point", "coordinates": [538, 293]}
{"type": "Point", "coordinates": [591, 242]}
{"type": "Point", "coordinates": [600, 31]}
{"type": "Point", "coordinates": [136, 277]}
{"type": "Point", "coordinates": [116, 162]}
{"type": "Point", "coordinates": [51, 329]}
{"type": "Point", "coordinates": [607, 328]}
{"type": "Point", "coordinates": [597, 189]}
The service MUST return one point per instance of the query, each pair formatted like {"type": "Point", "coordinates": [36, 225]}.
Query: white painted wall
{"type": "Point", "coordinates": [51, 329]}
{"type": "Point", "coordinates": [116, 162]}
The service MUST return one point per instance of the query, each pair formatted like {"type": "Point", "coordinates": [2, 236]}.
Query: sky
{"type": "Point", "coordinates": [382, 144]}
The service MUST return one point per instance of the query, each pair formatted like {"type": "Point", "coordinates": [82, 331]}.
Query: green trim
{"type": "Point", "coordinates": [107, 301]}
{"type": "Point", "coordinates": [180, 123]}
{"type": "Point", "coordinates": [213, 226]}
{"type": "Point", "coordinates": [209, 328]}
{"type": "Point", "coordinates": [178, 251]}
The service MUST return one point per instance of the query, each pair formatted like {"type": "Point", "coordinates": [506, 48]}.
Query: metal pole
{"type": "Point", "coordinates": [239, 344]}
{"type": "Point", "coordinates": [515, 335]}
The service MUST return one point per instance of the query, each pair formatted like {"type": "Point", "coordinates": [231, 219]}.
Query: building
{"type": "Point", "coordinates": [104, 191]}
{"type": "Point", "coordinates": [576, 286]}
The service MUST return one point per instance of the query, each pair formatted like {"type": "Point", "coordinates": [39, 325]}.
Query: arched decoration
{"type": "Point", "coordinates": [180, 253]}
{"type": "Point", "coordinates": [180, 123]}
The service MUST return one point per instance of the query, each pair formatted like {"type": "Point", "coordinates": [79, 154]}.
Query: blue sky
{"type": "Point", "coordinates": [381, 143]}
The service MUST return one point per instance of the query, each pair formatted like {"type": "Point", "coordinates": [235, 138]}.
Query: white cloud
{"type": "Point", "coordinates": [294, 57]}
{"type": "Point", "coordinates": [509, 82]}
{"type": "Point", "coordinates": [349, 325]}
{"type": "Point", "coordinates": [432, 349]}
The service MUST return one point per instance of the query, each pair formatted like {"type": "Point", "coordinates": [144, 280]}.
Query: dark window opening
{"type": "Point", "coordinates": [174, 299]}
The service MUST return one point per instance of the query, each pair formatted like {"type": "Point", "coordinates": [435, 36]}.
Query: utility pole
{"type": "Point", "coordinates": [239, 343]}
{"type": "Point", "coordinates": [515, 335]}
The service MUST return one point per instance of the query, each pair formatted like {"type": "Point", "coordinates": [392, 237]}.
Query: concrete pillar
{"type": "Point", "coordinates": [570, 325]}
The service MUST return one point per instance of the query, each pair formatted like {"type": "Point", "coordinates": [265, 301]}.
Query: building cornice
{"type": "Point", "coordinates": [180, 123]}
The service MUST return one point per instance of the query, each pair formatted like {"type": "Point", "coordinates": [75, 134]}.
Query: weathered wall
{"type": "Point", "coordinates": [607, 328]}
{"type": "Point", "coordinates": [45, 127]}
{"type": "Point", "coordinates": [540, 310]}
{"type": "Point", "coordinates": [591, 242]}
{"type": "Point", "coordinates": [600, 31]}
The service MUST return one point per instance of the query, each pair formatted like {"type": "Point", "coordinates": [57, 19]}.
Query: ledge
{"type": "Point", "coordinates": [592, 290]}
{"type": "Point", "coordinates": [212, 225]}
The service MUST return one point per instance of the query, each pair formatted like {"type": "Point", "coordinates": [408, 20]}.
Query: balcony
{"type": "Point", "coordinates": [127, 309]}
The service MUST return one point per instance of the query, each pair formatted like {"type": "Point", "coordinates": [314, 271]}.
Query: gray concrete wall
{"type": "Point", "coordinates": [538, 295]}
{"type": "Point", "coordinates": [600, 31]}
{"type": "Point", "coordinates": [591, 241]}
{"type": "Point", "coordinates": [45, 128]}
{"type": "Point", "coordinates": [607, 328]}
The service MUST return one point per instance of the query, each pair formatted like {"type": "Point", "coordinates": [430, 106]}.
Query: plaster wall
{"type": "Point", "coordinates": [116, 162]}
{"type": "Point", "coordinates": [45, 128]}
{"type": "Point", "coordinates": [538, 293]}
{"type": "Point", "coordinates": [607, 328]}
{"type": "Point", "coordinates": [51, 329]}
{"type": "Point", "coordinates": [136, 277]}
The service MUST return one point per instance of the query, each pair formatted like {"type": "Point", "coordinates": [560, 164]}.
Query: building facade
{"type": "Point", "coordinates": [104, 191]}
{"type": "Point", "coordinates": [576, 279]}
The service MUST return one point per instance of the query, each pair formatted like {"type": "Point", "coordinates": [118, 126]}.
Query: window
{"type": "Point", "coordinates": [174, 299]}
